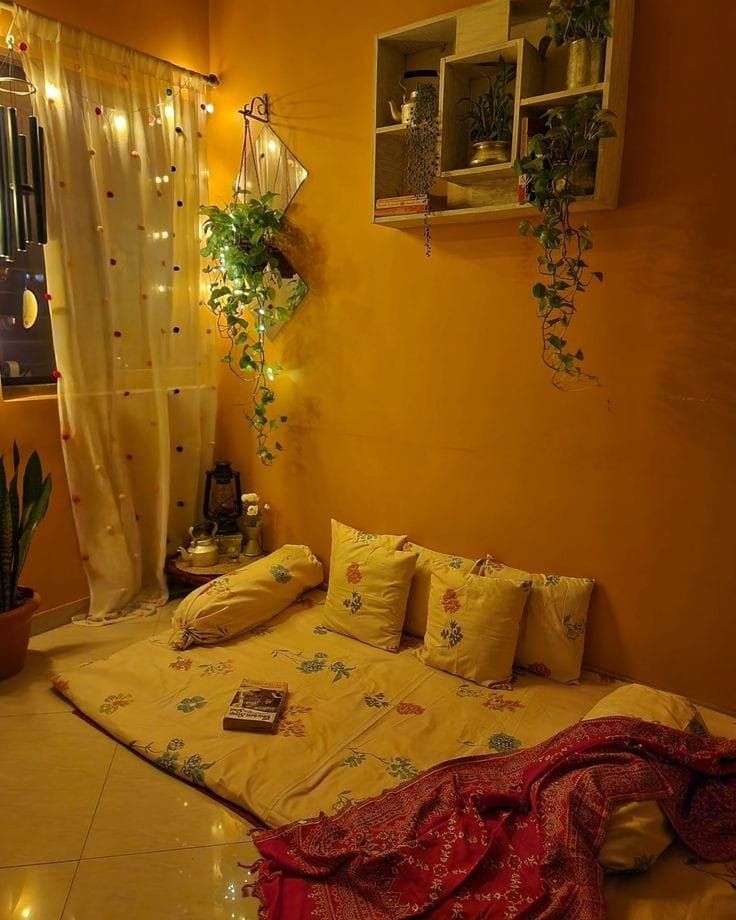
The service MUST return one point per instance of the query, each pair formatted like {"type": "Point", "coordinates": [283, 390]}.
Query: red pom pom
{"type": "Point", "coordinates": [23, 46]}
{"type": "Point", "coordinates": [76, 499]}
{"type": "Point", "coordinates": [126, 393]}
{"type": "Point", "coordinates": [129, 456]}
{"type": "Point", "coordinates": [117, 333]}
{"type": "Point", "coordinates": [65, 436]}
{"type": "Point", "coordinates": [110, 194]}
{"type": "Point", "coordinates": [113, 261]}
{"type": "Point", "coordinates": [56, 375]}
{"type": "Point", "coordinates": [98, 110]}
{"type": "Point", "coordinates": [47, 297]}
{"type": "Point", "coordinates": [84, 558]}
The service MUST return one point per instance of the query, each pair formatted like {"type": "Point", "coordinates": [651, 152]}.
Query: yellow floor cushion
{"type": "Point", "coordinates": [368, 587]}
{"type": "Point", "coordinates": [638, 832]}
{"type": "Point", "coordinates": [473, 624]}
{"type": "Point", "coordinates": [239, 601]}
{"type": "Point", "coordinates": [552, 635]}
{"type": "Point", "coordinates": [428, 560]}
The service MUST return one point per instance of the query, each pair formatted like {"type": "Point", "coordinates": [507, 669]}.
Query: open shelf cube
{"type": "Point", "coordinates": [460, 45]}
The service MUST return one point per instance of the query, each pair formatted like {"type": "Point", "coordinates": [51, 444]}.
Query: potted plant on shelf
{"type": "Point", "coordinates": [557, 166]}
{"type": "Point", "coordinates": [584, 25]}
{"type": "Point", "coordinates": [491, 117]}
{"type": "Point", "coordinates": [18, 522]}
{"type": "Point", "coordinates": [247, 271]}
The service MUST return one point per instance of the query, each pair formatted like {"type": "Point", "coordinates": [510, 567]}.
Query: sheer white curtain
{"type": "Point", "coordinates": [126, 176]}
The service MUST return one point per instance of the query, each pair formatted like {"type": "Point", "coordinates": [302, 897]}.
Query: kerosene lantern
{"type": "Point", "coordinates": [222, 503]}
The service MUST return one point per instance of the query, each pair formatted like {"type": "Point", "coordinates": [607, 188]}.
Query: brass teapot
{"type": "Point", "coordinates": [203, 551]}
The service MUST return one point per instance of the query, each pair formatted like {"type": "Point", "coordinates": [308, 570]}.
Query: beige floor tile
{"type": "Point", "coordinates": [143, 809]}
{"type": "Point", "coordinates": [65, 647]}
{"type": "Point", "coordinates": [190, 884]}
{"type": "Point", "coordinates": [35, 892]}
{"type": "Point", "coordinates": [52, 770]}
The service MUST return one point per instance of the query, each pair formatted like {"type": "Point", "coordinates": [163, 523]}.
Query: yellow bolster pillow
{"type": "Point", "coordinates": [234, 603]}
{"type": "Point", "coordinates": [638, 832]}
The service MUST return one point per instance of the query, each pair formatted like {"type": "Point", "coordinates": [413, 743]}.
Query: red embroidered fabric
{"type": "Point", "coordinates": [500, 836]}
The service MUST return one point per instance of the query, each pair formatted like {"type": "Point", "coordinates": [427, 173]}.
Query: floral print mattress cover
{"type": "Point", "coordinates": [358, 720]}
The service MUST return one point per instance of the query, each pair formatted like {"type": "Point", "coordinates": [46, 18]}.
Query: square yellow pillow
{"type": "Point", "coordinates": [552, 635]}
{"type": "Point", "coordinates": [415, 623]}
{"type": "Point", "coordinates": [473, 625]}
{"type": "Point", "coordinates": [369, 586]}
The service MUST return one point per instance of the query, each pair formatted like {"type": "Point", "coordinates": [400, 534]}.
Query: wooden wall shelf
{"type": "Point", "coordinates": [459, 45]}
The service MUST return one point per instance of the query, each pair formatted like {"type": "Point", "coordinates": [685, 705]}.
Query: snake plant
{"type": "Point", "coordinates": [18, 522]}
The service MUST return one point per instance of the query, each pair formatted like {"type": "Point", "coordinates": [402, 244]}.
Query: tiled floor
{"type": "Point", "coordinates": [88, 831]}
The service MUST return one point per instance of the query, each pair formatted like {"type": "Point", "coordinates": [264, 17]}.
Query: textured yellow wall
{"type": "Point", "coordinates": [417, 397]}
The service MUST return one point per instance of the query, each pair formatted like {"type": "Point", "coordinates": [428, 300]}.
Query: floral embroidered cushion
{"type": "Point", "coordinates": [415, 623]}
{"type": "Point", "coordinates": [234, 603]}
{"type": "Point", "coordinates": [473, 624]}
{"type": "Point", "coordinates": [552, 636]}
{"type": "Point", "coordinates": [638, 832]}
{"type": "Point", "coordinates": [369, 586]}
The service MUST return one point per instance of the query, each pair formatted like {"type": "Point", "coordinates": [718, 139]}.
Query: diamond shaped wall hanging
{"type": "Point", "coordinates": [267, 165]}
{"type": "Point", "coordinates": [270, 166]}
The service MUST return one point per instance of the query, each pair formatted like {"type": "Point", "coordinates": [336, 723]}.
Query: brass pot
{"type": "Point", "coordinates": [585, 63]}
{"type": "Point", "coordinates": [486, 153]}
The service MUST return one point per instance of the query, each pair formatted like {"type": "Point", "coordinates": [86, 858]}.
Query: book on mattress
{"type": "Point", "coordinates": [256, 707]}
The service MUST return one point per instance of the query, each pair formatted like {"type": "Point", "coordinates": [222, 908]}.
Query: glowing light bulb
{"type": "Point", "coordinates": [165, 235]}
{"type": "Point", "coordinates": [161, 288]}
{"type": "Point", "coordinates": [209, 108]}
{"type": "Point", "coordinates": [165, 179]}
{"type": "Point", "coordinates": [158, 180]}
{"type": "Point", "coordinates": [169, 111]}
{"type": "Point", "coordinates": [272, 145]}
{"type": "Point", "coordinates": [53, 93]}
{"type": "Point", "coordinates": [120, 122]}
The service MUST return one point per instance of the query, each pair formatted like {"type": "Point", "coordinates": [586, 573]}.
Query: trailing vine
{"type": "Point", "coordinates": [552, 170]}
{"type": "Point", "coordinates": [422, 135]}
{"type": "Point", "coordinates": [241, 242]}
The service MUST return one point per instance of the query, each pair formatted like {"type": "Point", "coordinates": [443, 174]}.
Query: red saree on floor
{"type": "Point", "coordinates": [512, 836]}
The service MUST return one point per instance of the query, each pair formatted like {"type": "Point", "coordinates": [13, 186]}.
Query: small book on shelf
{"type": "Point", "coordinates": [256, 707]}
{"type": "Point", "coordinates": [400, 201]}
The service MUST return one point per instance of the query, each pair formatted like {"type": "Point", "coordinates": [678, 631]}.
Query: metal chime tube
{"type": "Point", "coordinates": [17, 181]}
{"type": "Point", "coordinates": [37, 177]}
{"type": "Point", "coordinates": [6, 225]}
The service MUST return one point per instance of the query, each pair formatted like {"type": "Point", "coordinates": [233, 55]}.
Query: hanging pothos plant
{"type": "Point", "coordinates": [422, 134]}
{"type": "Point", "coordinates": [557, 170]}
{"type": "Point", "coordinates": [241, 240]}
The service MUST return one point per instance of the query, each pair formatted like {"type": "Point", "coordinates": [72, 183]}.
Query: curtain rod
{"type": "Point", "coordinates": [211, 78]}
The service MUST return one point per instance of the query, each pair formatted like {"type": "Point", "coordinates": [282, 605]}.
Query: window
{"type": "Point", "coordinates": [26, 343]}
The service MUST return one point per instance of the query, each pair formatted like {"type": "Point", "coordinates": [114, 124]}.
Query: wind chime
{"type": "Point", "coordinates": [22, 185]}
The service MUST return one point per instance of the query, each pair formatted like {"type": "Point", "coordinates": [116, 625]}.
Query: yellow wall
{"type": "Point", "coordinates": [417, 398]}
{"type": "Point", "coordinates": [176, 30]}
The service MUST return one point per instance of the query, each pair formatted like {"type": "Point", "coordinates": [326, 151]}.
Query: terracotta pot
{"type": "Point", "coordinates": [15, 633]}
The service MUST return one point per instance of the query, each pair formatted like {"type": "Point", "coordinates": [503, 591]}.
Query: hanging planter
{"type": "Point", "coordinates": [422, 135]}
{"type": "Point", "coordinates": [249, 295]}
{"type": "Point", "coordinates": [559, 169]}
